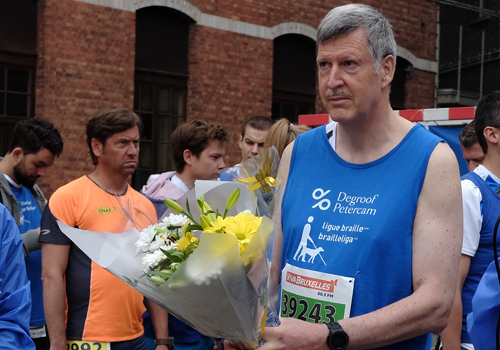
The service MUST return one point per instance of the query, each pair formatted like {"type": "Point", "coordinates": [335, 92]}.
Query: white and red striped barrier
{"type": "Point", "coordinates": [457, 114]}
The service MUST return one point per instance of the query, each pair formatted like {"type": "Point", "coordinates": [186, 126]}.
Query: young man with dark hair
{"type": "Point", "coordinates": [481, 204]}
{"type": "Point", "coordinates": [33, 148]}
{"type": "Point", "coordinates": [198, 149]}
{"type": "Point", "coordinates": [253, 135]}
{"type": "Point", "coordinates": [101, 309]}
{"type": "Point", "coordinates": [471, 150]}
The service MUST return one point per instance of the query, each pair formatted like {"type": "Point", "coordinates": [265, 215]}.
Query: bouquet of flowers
{"type": "Point", "coordinates": [208, 265]}
{"type": "Point", "coordinates": [171, 241]}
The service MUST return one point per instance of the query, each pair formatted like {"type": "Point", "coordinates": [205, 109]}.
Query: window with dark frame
{"type": "Point", "coordinates": [162, 39]}
{"type": "Point", "coordinates": [161, 108]}
{"type": "Point", "coordinates": [18, 33]}
{"type": "Point", "coordinates": [294, 77]}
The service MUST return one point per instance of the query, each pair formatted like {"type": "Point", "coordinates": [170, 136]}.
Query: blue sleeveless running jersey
{"type": "Point", "coordinates": [362, 216]}
{"type": "Point", "coordinates": [484, 254]}
{"type": "Point", "coordinates": [31, 216]}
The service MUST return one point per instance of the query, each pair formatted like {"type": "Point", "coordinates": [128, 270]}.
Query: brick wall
{"type": "Point", "coordinates": [420, 87]}
{"type": "Point", "coordinates": [414, 22]}
{"type": "Point", "coordinates": [220, 61]}
{"type": "Point", "coordinates": [85, 63]}
{"type": "Point", "coordinates": [230, 80]}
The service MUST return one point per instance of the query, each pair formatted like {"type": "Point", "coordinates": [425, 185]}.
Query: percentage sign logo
{"type": "Point", "coordinates": [318, 194]}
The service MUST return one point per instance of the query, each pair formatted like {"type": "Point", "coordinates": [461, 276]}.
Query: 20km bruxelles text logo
{"type": "Point", "coordinates": [312, 283]}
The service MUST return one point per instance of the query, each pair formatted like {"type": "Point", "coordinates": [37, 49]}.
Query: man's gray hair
{"type": "Point", "coordinates": [345, 19]}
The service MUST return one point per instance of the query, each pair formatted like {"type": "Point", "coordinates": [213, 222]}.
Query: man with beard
{"type": "Point", "coordinates": [86, 306]}
{"type": "Point", "coordinates": [33, 147]}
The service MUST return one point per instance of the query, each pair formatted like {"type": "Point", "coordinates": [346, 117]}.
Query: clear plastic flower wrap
{"type": "Point", "coordinates": [260, 174]}
{"type": "Point", "coordinates": [221, 290]}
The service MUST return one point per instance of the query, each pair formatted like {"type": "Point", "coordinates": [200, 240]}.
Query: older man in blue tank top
{"type": "Point", "coordinates": [380, 264]}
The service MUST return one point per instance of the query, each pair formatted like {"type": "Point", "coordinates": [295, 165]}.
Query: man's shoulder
{"type": "Point", "coordinates": [477, 177]}
{"type": "Point", "coordinates": [7, 226]}
{"type": "Point", "coordinates": [230, 173]}
{"type": "Point", "coordinates": [140, 200]}
{"type": "Point", "coordinates": [72, 189]}
{"type": "Point", "coordinates": [162, 187]}
{"type": "Point", "coordinates": [132, 193]}
{"type": "Point", "coordinates": [37, 191]}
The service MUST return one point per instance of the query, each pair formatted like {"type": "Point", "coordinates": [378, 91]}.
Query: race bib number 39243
{"type": "Point", "coordinates": [86, 345]}
{"type": "Point", "coordinates": [315, 296]}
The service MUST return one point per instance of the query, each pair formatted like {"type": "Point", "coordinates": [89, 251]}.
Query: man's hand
{"type": "Point", "coordinates": [451, 335]}
{"type": "Point", "coordinates": [293, 334]}
{"type": "Point", "coordinates": [54, 263]}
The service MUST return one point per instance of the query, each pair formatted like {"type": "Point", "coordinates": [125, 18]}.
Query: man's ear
{"type": "Point", "coordinates": [387, 69]}
{"type": "Point", "coordinates": [240, 141]}
{"type": "Point", "coordinates": [188, 156]}
{"type": "Point", "coordinates": [492, 135]}
{"type": "Point", "coordinates": [17, 154]}
{"type": "Point", "coordinates": [97, 147]}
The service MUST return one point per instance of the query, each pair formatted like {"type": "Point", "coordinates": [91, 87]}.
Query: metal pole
{"type": "Point", "coordinates": [482, 68]}
{"type": "Point", "coordinates": [438, 37]}
{"type": "Point", "coordinates": [459, 68]}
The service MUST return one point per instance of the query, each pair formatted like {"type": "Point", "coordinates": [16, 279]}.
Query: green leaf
{"type": "Point", "coordinates": [187, 207]}
{"type": "Point", "coordinates": [192, 228]}
{"type": "Point", "coordinates": [163, 273]}
{"type": "Point", "coordinates": [200, 205]}
{"type": "Point", "coordinates": [174, 255]}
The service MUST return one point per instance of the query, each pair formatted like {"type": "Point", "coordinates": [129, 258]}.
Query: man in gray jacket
{"type": "Point", "coordinates": [33, 148]}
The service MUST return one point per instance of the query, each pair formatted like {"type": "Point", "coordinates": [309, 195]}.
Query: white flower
{"type": "Point", "coordinates": [152, 260]}
{"type": "Point", "coordinates": [145, 239]}
{"type": "Point", "coordinates": [175, 220]}
{"type": "Point", "coordinates": [159, 243]}
{"type": "Point", "coordinates": [150, 240]}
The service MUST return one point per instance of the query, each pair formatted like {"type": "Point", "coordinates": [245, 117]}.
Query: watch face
{"type": "Point", "coordinates": [338, 341]}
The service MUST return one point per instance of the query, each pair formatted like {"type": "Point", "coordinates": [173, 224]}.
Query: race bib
{"type": "Point", "coordinates": [86, 345]}
{"type": "Point", "coordinates": [315, 296]}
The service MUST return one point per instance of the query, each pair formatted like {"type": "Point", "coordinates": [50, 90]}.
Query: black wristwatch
{"type": "Point", "coordinates": [169, 342]}
{"type": "Point", "coordinates": [337, 339]}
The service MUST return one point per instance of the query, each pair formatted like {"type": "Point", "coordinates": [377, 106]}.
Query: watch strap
{"type": "Point", "coordinates": [169, 342]}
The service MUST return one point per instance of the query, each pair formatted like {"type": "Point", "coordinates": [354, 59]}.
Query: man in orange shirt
{"type": "Point", "coordinates": [100, 308]}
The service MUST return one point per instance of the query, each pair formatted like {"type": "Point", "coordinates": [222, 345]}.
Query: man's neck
{"type": "Point", "coordinates": [492, 161]}
{"type": "Point", "coordinates": [116, 184]}
{"type": "Point", "coordinates": [7, 167]}
{"type": "Point", "coordinates": [187, 179]}
{"type": "Point", "coordinates": [369, 140]}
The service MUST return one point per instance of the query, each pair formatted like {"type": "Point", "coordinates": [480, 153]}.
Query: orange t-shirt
{"type": "Point", "coordinates": [100, 307]}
